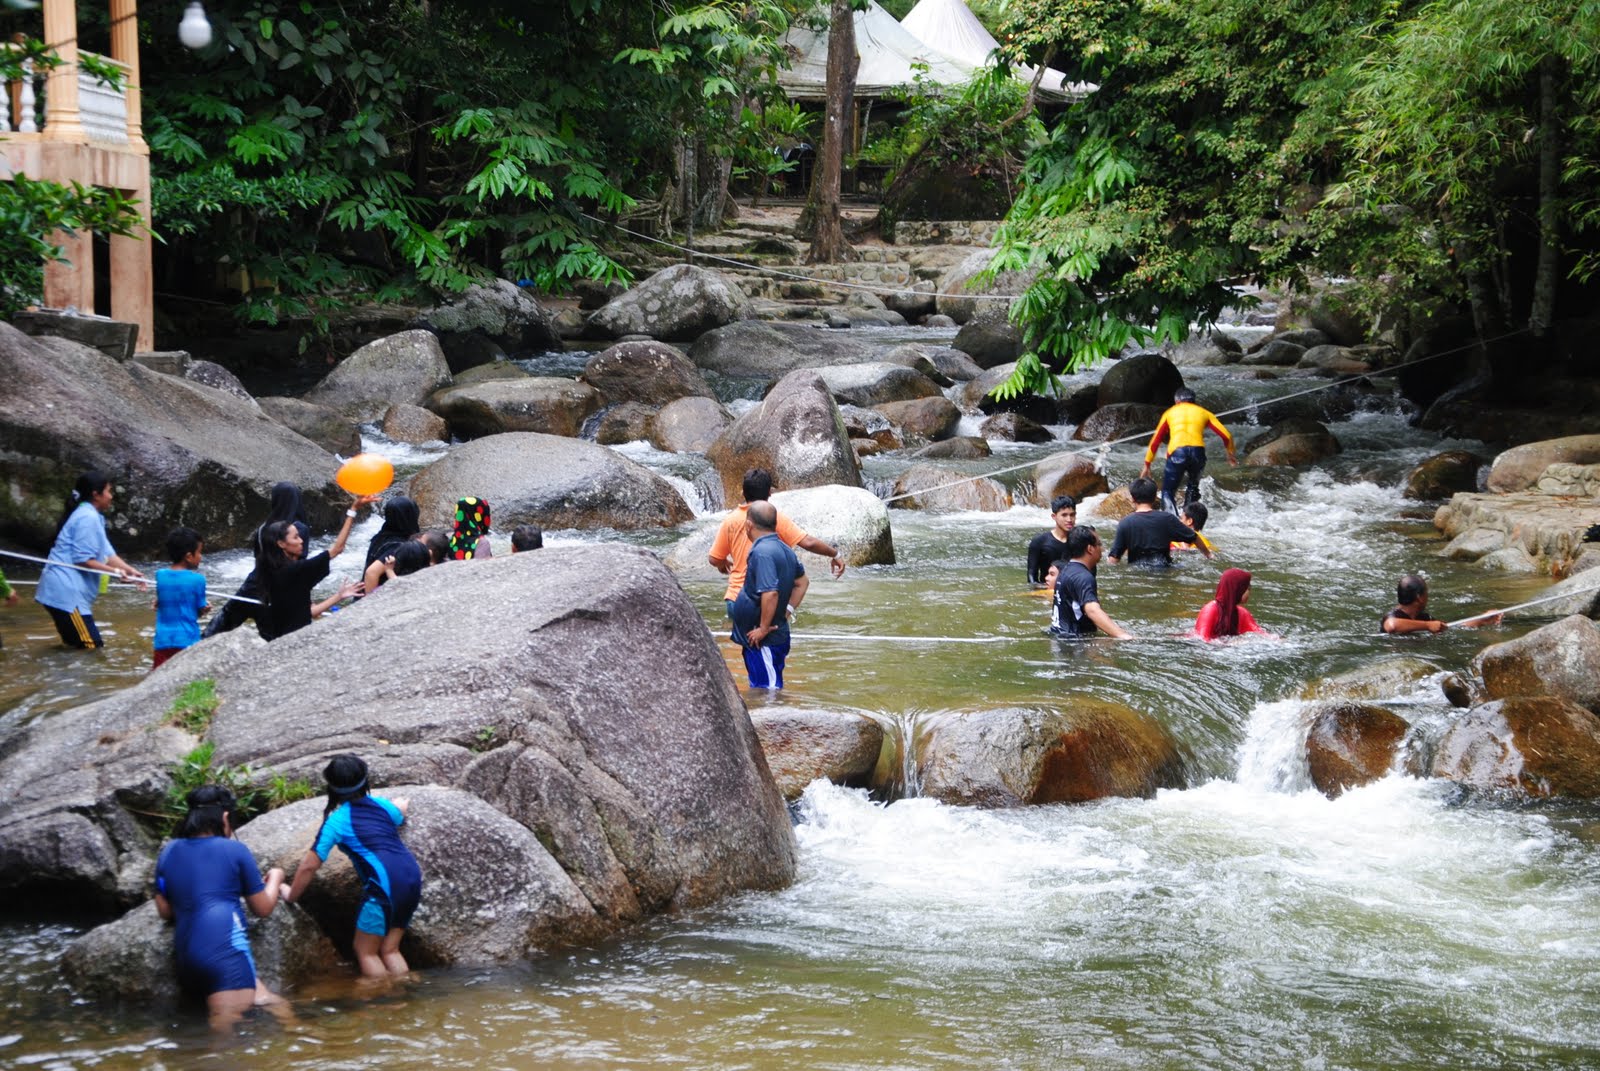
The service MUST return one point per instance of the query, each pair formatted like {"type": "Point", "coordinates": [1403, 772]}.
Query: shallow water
{"type": "Point", "coordinates": [1243, 922]}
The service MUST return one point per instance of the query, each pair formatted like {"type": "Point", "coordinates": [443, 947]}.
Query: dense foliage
{"type": "Point", "coordinates": [1229, 141]}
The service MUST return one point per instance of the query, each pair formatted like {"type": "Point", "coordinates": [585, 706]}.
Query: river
{"type": "Point", "coordinates": [1243, 922]}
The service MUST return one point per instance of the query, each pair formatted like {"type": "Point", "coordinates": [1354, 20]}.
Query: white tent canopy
{"type": "Point", "coordinates": [950, 27]}
{"type": "Point", "coordinates": [887, 51]}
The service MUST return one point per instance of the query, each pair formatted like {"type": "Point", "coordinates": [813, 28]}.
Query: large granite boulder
{"type": "Point", "coordinates": [1085, 749]}
{"type": "Point", "coordinates": [960, 298]}
{"type": "Point", "coordinates": [804, 745]}
{"type": "Point", "coordinates": [415, 425]}
{"type": "Point", "coordinates": [1123, 420]}
{"type": "Point", "coordinates": [1579, 593]}
{"type": "Point", "coordinates": [1561, 659]}
{"type": "Point", "coordinates": [948, 361]}
{"type": "Point", "coordinates": [1519, 468]}
{"type": "Point", "coordinates": [1278, 352]}
{"type": "Point", "coordinates": [647, 789]}
{"type": "Point", "coordinates": [1146, 379]}
{"type": "Point", "coordinates": [548, 480]}
{"type": "Point", "coordinates": [754, 349]}
{"type": "Point", "coordinates": [547, 404]}
{"type": "Point", "coordinates": [929, 418]}
{"type": "Point", "coordinates": [1530, 745]}
{"type": "Point", "coordinates": [1442, 475]}
{"type": "Point", "coordinates": [795, 433]}
{"type": "Point", "coordinates": [130, 960]}
{"type": "Point", "coordinates": [328, 428]}
{"type": "Point", "coordinates": [923, 486]}
{"type": "Point", "coordinates": [915, 301]}
{"type": "Point", "coordinates": [400, 368]}
{"type": "Point", "coordinates": [651, 373]}
{"type": "Point", "coordinates": [679, 303]}
{"type": "Point", "coordinates": [853, 520]}
{"type": "Point", "coordinates": [689, 425]}
{"type": "Point", "coordinates": [876, 382]}
{"type": "Point", "coordinates": [1067, 474]}
{"type": "Point", "coordinates": [488, 320]}
{"type": "Point", "coordinates": [989, 342]}
{"type": "Point", "coordinates": [177, 452]}
{"type": "Point", "coordinates": [1352, 744]}
{"type": "Point", "coordinates": [1298, 441]}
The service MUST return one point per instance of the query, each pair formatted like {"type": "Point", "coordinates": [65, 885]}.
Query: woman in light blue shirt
{"type": "Point", "coordinates": [68, 594]}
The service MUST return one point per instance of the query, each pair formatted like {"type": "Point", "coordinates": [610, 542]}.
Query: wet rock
{"type": "Point", "coordinates": [1519, 468]}
{"type": "Point", "coordinates": [1112, 422]}
{"type": "Point", "coordinates": [1083, 750]}
{"type": "Point", "coordinates": [415, 425]}
{"type": "Point", "coordinates": [795, 434]}
{"type": "Point", "coordinates": [1352, 744]}
{"type": "Point", "coordinates": [1549, 529]}
{"type": "Point", "coordinates": [549, 480]}
{"type": "Point", "coordinates": [401, 368]}
{"type": "Point", "coordinates": [1532, 745]}
{"type": "Point", "coordinates": [1561, 659]}
{"type": "Point", "coordinates": [973, 493]}
{"type": "Point", "coordinates": [177, 452]}
{"type": "Point", "coordinates": [1338, 359]}
{"type": "Point", "coordinates": [546, 404]}
{"type": "Point", "coordinates": [328, 428]}
{"type": "Point", "coordinates": [974, 393]}
{"type": "Point", "coordinates": [836, 320]}
{"type": "Point", "coordinates": [1442, 475]}
{"type": "Point", "coordinates": [486, 320]}
{"type": "Point", "coordinates": [923, 418]}
{"type": "Point", "coordinates": [948, 361]}
{"type": "Point", "coordinates": [1472, 545]}
{"type": "Point", "coordinates": [1336, 316]}
{"type": "Point", "coordinates": [1291, 443]}
{"type": "Point", "coordinates": [1305, 338]}
{"type": "Point", "coordinates": [1387, 678]}
{"type": "Point", "coordinates": [625, 422]}
{"type": "Point", "coordinates": [1278, 353]}
{"type": "Point", "coordinates": [862, 423]}
{"type": "Point", "coordinates": [487, 373]}
{"type": "Point", "coordinates": [679, 303]}
{"type": "Point", "coordinates": [1581, 595]}
{"type": "Point", "coordinates": [989, 342]}
{"type": "Point", "coordinates": [131, 959]}
{"type": "Point", "coordinates": [1067, 474]}
{"type": "Point", "coordinates": [804, 745]}
{"type": "Point", "coordinates": [1509, 560]}
{"type": "Point", "coordinates": [649, 372]}
{"type": "Point", "coordinates": [689, 425]}
{"type": "Point", "coordinates": [865, 447]}
{"type": "Point", "coordinates": [1014, 428]}
{"type": "Point", "coordinates": [913, 358]}
{"type": "Point", "coordinates": [851, 519]}
{"type": "Point", "coordinates": [956, 285]}
{"type": "Point", "coordinates": [647, 789]}
{"type": "Point", "coordinates": [759, 350]}
{"type": "Point", "coordinates": [1110, 509]}
{"type": "Point", "coordinates": [957, 448]}
{"type": "Point", "coordinates": [877, 382]}
{"type": "Point", "coordinates": [916, 301]}
{"type": "Point", "coordinates": [1148, 379]}
{"type": "Point", "coordinates": [938, 320]}
{"type": "Point", "coordinates": [860, 317]}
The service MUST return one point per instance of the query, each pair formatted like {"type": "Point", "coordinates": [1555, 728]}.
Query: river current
{"type": "Point", "coordinates": [1243, 922]}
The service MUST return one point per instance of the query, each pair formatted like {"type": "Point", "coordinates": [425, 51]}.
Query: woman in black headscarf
{"type": "Point", "coordinates": [284, 505]}
{"type": "Point", "coordinates": [401, 520]}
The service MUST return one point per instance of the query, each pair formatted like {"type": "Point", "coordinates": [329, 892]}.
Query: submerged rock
{"type": "Point", "coordinates": [795, 433]}
{"type": "Point", "coordinates": [679, 303]}
{"type": "Point", "coordinates": [1561, 659]}
{"type": "Point", "coordinates": [548, 480]}
{"type": "Point", "coordinates": [804, 745]}
{"type": "Point", "coordinates": [1387, 678]}
{"type": "Point", "coordinates": [1532, 745]}
{"type": "Point", "coordinates": [1352, 744]}
{"type": "Point", "coordinates": [1084, 750]}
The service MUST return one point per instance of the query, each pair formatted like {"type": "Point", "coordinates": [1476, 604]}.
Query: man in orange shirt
{"type": "Point", "coordinates": [730, 551]}
{"type": "Point", "coordinates": [1184, 427]}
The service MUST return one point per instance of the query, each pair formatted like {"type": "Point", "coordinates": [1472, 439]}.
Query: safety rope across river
{"type": "Point", "coordinates": [103, 573]}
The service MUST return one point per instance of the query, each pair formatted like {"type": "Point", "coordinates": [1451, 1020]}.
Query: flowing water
{"type": "Point", "coordinates": [1245, 921]}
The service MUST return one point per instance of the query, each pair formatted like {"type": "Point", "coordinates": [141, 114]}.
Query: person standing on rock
{"type": "Point", "coordinates": [1184, 427]}
{"type": "Point", "coordinates": [774, 584]}
{"type": "Point", "coordinates": [731, 548]}
{"type": "Point", "coordinates": [1411, 610]}
{"type": "Point", "coordinates": [1076, 613]}
{"type": "Point", "coordinates": [287, 575]}
{"type": "Point", "coordinates": [68, 594]}
{"type": "Point", "coordinates": [1145, 536]}
{"type": "Point", "coordinates": [1051, 544]}
{"type": "Point", "coordinates": [282, 505]}
{"type": "Point", "coordinates": [366, 828]}
{"type": "Point", "coordinates": [200, 878]}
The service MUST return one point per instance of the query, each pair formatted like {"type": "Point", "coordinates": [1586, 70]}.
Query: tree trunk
{"type": "Point", "coordinates": [1544, 280]}
{"type": "Point", "coordinates": [827, 240]}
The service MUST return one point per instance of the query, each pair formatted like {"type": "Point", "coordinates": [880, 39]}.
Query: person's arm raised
{"type": "Point", "coordinates": [349, 520]}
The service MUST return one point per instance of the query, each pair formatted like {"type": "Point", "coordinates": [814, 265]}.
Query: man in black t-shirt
{"type": "Point", "coordinates": [1075, 613]}
{"type": "Point", "coordinates": [1146, 535]}
{"type": "Point", "coordinates": [1050, 545]}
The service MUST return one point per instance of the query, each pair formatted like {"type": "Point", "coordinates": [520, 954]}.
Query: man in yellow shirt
{"type": "Point", "coordinates": [1184, 427]}
{"type": "Point", "coordinates": [730, 550]}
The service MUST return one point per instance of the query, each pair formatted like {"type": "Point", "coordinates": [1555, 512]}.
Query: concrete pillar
{"type": "Point", "coordinates": [133, 297]}
{"type": "Point", "coordinates": [62, 121]}
{"type": "Point", "coordinates": [71, 284]}
{"type": "Point", "coordinates": [125, 49]}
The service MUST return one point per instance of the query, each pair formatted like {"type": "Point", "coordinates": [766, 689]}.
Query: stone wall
{"type": "Point", "coordinates": [979, 232]}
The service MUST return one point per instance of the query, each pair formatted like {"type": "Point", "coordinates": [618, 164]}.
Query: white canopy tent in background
{"type": "Point", "coordinates": [887, 49]}
{"type": "Point", "coordinates": [950, 27]}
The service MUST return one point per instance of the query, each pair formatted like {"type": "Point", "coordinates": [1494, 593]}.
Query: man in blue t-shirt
{"type": "Point", "coordinates": [774, 584]}
{"type": "Point", "coordinates": [1076, 613]}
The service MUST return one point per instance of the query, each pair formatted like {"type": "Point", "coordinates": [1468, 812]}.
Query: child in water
{"type": "Point", "coordinates": [365, 828]}
{"type": "Point", "coordinates": [180, 595]}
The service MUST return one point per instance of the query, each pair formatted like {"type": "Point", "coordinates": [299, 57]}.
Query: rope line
{"type": "Point", "coordinates": [1521, 606]}
{"type": "Point", "coordinates": [102, 572]}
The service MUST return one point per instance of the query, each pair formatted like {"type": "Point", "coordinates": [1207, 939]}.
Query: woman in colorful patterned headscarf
{"type": "Point", "coordinates": [470, 539]}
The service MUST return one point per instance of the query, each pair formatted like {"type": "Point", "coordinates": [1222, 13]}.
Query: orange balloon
{"type": "Point", "coordinates": [365, 474]}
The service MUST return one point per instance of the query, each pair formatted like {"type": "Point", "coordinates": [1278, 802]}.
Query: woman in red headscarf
{"type": "Point", "coordinates": [1225, 615]}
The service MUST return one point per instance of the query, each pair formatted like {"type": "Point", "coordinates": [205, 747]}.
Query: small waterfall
{"type": "Point", "coordinates": [1272, 756]}
{"type": "Point", "coordinates": [899, 773]}
{"type": "Point", "coordinates": [708, 494]}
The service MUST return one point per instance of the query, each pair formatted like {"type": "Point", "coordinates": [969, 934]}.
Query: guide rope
{"type": "Point", "coordinates": [101, 572]}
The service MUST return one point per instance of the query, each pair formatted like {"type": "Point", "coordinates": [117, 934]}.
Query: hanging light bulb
{"type": "Point", "coordinates": [195, 29]}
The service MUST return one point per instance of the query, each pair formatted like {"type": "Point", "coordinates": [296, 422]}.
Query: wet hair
{"type": "Point", "coordinates": [757, 485]}
{"type": "Point", "coordinates": [526, 537]}
{"type": "Point", "coordinates": [763, 515]}
{"type": "Point", "coordinates": [207, 805]}
{"type": "Point", "coordinates": [411, 557]}
{"type": "Point", "coordinates": [438, 545]}
{"type": "Point", "coordinates": [1080, 539]}
{"type": "Point", "coordinates": [1143, 491]}
{"type": "Point", "coordinates": [88, 483]}
{"type": "Point", "coordinates": [182, 542]}
{"type": "Point", "coordinates": [1411, 588]}
{"type": "Point", "coordinates": [347, 780]}
{"type": "Point", "coordinates": [1061, 502]}
{"type": "Point", "coordinates": [1183, 394]}
{"type": "Point", "coordinates": [1197, 513]}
